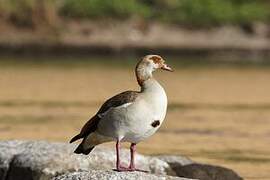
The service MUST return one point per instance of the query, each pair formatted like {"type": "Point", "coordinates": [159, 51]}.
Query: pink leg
{"type": "Point", "coordinates": [131, 167]}
{"type": "Point", "coordinates": [117, 155]}
{"type": "Point", "coordinates": [132, 158]}
{"type": "Point", "coordinates": [119, 167]}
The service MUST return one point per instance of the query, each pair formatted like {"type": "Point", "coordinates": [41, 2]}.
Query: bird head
{"type": "Point", "coordinates": [154, 62]}
{"type": "Point", "coordinates": [148, 65]}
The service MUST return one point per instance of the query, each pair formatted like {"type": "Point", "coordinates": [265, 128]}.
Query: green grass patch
{"type": "Point", "coordinates": [183, 12]}
{"type": "Point", "coordinates": [105, 8]}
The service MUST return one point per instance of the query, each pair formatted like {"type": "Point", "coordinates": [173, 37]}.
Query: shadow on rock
{"type": "Point", "coordinates": [204, 172]}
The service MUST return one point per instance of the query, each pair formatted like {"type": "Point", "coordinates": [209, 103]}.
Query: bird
{"type": "Point", "coordinates": [130, 116]}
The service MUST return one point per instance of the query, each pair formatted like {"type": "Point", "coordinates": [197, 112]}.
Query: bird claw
{"type": "Point", "coordinates": [124, 169]}
{"type": "Point", "coordinates": [132, 168]}
{"type": "Point", "coordinates": [139, 170]}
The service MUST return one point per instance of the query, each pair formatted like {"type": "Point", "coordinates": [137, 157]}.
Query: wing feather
{"type": "Point", "coordinates": [124, 98]}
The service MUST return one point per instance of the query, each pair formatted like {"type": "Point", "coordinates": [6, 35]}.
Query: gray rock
{"type": "Point", "coordinates": [204, 172]}
{"type": "Point", "coordinates": [112, 175]}
{"type": "Point", "coordinates": [43, 160]}
{"type": "Point", "coordinates": [40, 160]}
{"type": "Point", "coordinates": [8, 149]}
{"type": "Point", "coordinates": [181, 160]}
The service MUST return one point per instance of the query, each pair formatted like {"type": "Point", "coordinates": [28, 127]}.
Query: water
{"type": "Point", "coordinates": [219, 111]}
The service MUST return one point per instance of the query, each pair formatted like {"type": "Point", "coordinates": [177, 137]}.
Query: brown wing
{"type": "Point", "coordinates": [117, 100]}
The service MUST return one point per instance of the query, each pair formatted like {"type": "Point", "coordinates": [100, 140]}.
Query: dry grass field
{"type": "Point", "coordinates": [217, 114]}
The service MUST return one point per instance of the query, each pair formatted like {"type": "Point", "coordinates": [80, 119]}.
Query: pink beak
{"type": "Point", "coordinates": [166, 68]}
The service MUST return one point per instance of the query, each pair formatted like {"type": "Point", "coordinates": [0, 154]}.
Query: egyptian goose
{"type": "Point", "coordinates": [130, 116]}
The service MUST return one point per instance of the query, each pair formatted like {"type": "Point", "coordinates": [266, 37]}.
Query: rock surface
{"type": "Point", "coordinates": [204, 172]}
{"type": "Point", "coordinates": [112, 175]}
{"type": "Point", "coordinates": [43, 160]}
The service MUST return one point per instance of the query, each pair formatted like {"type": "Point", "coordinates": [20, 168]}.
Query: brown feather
{"type": "Point", "coordinates": [88, 128]}
{"type": "Point", "coordinates": [157, 60]}
{"type": "Point", "coordinates": [117, 100]}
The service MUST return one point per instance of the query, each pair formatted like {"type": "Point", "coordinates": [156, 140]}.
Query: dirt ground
{"type": "Point", "coordinates": [218, 115]}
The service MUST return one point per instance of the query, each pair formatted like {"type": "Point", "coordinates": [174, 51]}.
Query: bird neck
{"type": "Point", "coordinates": [150, 85]}
{"type": "Point", "coordinates": [143, 73]}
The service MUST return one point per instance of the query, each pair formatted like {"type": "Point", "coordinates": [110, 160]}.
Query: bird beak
{"type": "Point", "coordinates": [166, 68]}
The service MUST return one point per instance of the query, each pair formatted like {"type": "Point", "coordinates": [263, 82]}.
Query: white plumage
{"type": "Point", "coordinates": [131, 122]}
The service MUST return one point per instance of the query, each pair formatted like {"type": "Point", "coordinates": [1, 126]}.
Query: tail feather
{"type": "Point", "coordinates": [81, 150]}
{"type": "Point", "coordinates": [75, 138]}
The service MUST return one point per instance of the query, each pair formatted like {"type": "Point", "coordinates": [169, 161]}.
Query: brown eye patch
{"type": "Point", "coordinates": [156, 59]}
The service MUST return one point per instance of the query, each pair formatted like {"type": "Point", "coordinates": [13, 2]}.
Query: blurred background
{"type": "Point", "coordinates": [60, 59]}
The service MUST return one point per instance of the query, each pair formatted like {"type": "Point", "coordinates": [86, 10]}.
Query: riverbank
{"type": "Point", "coordinates": [137, 37]}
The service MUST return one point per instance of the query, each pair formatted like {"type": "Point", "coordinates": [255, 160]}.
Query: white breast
{"type": "Point", "coordinates": [156, 100]}
{"type": "Point", "coordinates": [132, 123]}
